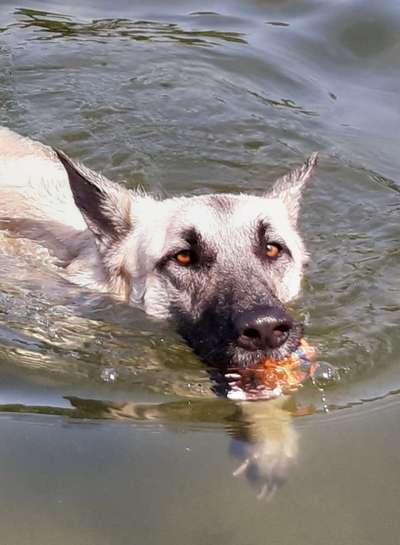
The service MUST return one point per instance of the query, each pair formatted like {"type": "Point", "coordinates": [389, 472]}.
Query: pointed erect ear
{"type": "Point", "coordinates": [105, 206]}
{"type": "Point", "coordinates": [289, 188]}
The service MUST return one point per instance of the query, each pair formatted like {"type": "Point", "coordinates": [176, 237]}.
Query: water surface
{"type": "Point", "coordinates": [112, 431]}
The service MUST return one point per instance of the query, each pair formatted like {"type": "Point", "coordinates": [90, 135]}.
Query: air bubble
{"type": "Point", "coordinates": [109, 374]}
{"type": "Point", "coordinates": [325, 376]}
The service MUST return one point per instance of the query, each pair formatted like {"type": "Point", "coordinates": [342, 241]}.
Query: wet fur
{"type": "Point", "coordinates": [111, 239]}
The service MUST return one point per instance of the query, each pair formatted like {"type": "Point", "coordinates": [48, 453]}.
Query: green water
{"type": "Point", "coordinates": [183, 97]}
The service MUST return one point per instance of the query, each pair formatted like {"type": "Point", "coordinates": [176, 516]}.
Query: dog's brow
{"type": "Point", "coordinates": [192, 237]}
{"type": "Point", "coordinates": [198, 244]}
{"type": "Point", "coordinates": [194, 241]}
{"type": "Point", "coordinates": [263, 230]}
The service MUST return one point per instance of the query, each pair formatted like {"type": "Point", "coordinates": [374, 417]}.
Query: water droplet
{"type": "Point", "coordinates": [109, 374]}
{"type": "Point", "coordinates": [325, 375]}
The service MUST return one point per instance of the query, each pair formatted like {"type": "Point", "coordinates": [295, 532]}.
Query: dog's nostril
{"type": "Point", "coordinates": [283, 328]}
{"type": "Point", "coordinates": [251, 333]}
{"type": "Point", "coordinates": [280, 334]}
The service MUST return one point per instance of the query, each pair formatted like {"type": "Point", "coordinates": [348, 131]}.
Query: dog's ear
{"type": "Point", "coordinates": [289, 187]}
{"type": "Point", "coordinates": [105, 206]}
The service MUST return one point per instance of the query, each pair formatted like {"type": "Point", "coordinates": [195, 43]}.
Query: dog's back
{"type": "Point", "coordinates": [34, 184]}
{"type": "Point", "coordinates": [36, 201]}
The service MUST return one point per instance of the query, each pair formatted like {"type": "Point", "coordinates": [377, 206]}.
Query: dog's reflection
{"type": "Point", "coordinates": [266, 446]}
{"type": "Point", "coordinates": [264, 441]}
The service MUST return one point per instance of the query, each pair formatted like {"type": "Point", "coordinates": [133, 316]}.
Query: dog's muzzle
{"type": "Point", "coordinates": [263, 328]}
{"type": "Point", "coordinates": [264, 331]}
{"type": "Point", "coordinates": [241, 339]}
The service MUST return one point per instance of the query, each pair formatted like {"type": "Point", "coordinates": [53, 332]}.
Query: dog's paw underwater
{"type": "Point", "coordinates": [271, 378]}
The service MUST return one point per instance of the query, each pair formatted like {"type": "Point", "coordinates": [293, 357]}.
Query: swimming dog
{"type": "Point", "coordinates": [223, 266]}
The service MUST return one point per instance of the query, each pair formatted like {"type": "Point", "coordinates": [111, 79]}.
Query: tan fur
{"type": "Point", "coordinates": [34, 184]}
{"type": "Point", "coordinates": [115, 245]}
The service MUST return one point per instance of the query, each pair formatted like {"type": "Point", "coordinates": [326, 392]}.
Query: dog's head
{"type": "Point", "coordinates": [223, 266]}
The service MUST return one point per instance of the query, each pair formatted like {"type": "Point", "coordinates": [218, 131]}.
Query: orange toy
{"type": "Point", "coordinates": [271, 378]}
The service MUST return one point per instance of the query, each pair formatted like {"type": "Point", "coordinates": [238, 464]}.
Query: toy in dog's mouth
{"type": "Point", "coordinates": [272, 378]}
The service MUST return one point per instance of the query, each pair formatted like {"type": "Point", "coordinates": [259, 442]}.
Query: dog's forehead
{"type": "Point", "coordinates": [222, 215]}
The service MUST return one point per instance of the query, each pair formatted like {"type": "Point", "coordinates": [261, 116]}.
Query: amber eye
{"type": "Point", "coordinates": [273, 251]}
{"type": "Point", "coordinates": [184, 258]}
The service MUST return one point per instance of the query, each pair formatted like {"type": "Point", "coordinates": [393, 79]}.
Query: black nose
{"type": "Point", "coordinates": [263, 328]}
